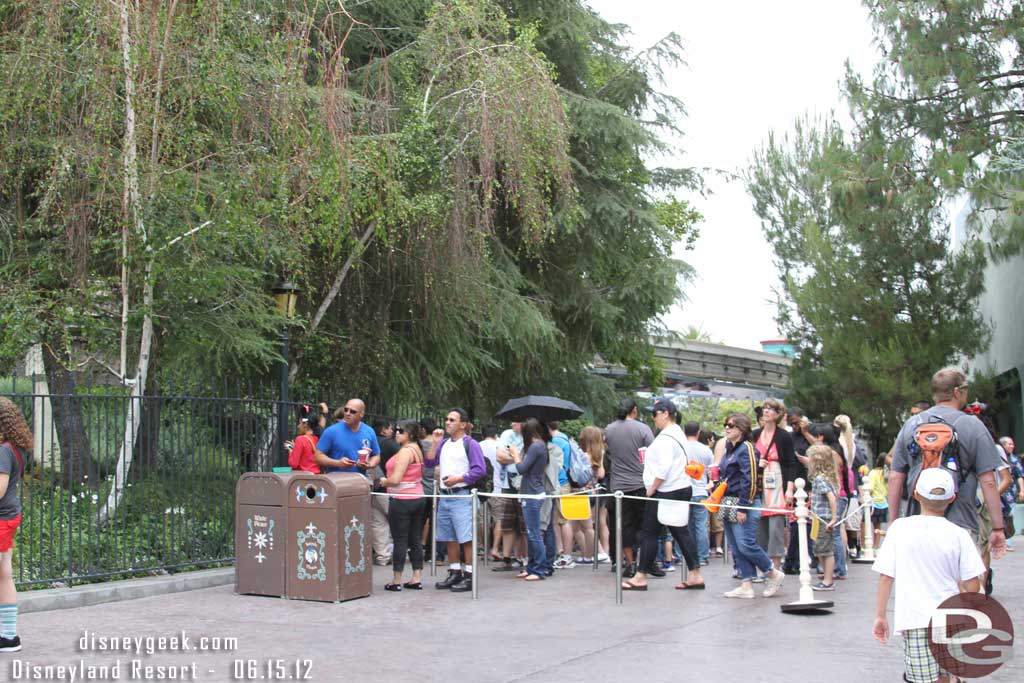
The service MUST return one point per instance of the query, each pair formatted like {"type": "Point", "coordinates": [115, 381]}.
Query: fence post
{"type": "Point", "coordinates": [806, 602]}
{"type": "Point", "coordinates": [867, 555]}
{"type": "Point", "coordinates": [618, 547]}
{"type": "Point", "coordinates": [476, 578]}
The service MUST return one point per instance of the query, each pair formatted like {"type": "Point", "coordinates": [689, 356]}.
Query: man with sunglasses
{"type": "Point", "coordinates": [460, 464]}
{"type": "Point", "coordinates": [351, 446]}
{"type": "Point", "coordinates": [978, 461]}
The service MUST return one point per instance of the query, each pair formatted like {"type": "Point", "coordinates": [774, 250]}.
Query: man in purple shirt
{"type": "Point", "coordinates": [459, 463]}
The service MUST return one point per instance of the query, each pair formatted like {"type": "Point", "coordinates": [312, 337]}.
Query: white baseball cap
{"type": "Point", "coordinates": [934, 478]}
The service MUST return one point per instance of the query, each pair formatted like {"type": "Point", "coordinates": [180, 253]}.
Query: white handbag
{"type": "Point", "coordinates": [673, 512]}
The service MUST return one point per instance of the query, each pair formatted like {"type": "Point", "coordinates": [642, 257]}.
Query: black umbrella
{"type": "Point", "coordinates": [544, 408]}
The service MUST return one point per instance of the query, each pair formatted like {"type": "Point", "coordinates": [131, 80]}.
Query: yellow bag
{"type": "Point", "coordinates": [575, 508]}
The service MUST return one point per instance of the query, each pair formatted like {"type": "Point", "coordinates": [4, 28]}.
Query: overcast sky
{"type": "Point", "coordinates": [752, 66]}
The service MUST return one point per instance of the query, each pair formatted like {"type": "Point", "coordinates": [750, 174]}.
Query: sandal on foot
{"type": "Point", "coordinates": [627, 586]}
{"type": "Point", "coordinates": [417, 586]}
{"type": "Point", "coordinates": [393, 587]}
{"type": "Point", "coordinates": [534, 577]}
{"type": "Point", "coordinates": [691, 586]}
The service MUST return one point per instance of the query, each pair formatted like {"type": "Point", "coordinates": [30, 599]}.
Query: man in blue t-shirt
{"type": "Point", "coordinates": [351, 446]}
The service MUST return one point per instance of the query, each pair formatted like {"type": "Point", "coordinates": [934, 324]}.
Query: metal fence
{"type": "Point", "coordinates": [174, 507]}
{"type": "Point", "coordinates": [174, 510]}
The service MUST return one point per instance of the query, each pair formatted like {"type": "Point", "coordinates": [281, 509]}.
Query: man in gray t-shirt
{"type": "Point", "coordinates": [10, 503]}
{"type": "Point", "coordinates": [977, 456]}
{"type": "Point", "coordinates": [625, 437]}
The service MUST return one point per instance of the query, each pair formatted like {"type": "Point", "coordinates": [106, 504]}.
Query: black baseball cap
{"type": "Point", "coordinates": [663, 404]}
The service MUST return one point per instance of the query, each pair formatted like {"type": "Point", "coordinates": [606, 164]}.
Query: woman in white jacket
{"type": "Point", "coordinates": [666, 479]}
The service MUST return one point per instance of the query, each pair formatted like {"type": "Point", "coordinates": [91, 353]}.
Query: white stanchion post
{"type": "Point", "coordinates": [867, 555]}
{"type": "Point", "coordinates": [476, 511]}
{"type": "Point", "coordinates": [807, 602]}
{"type": "Point", "coordinates": [618, 547]}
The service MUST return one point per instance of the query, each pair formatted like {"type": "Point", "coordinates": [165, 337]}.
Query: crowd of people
{"type": "Point", "coordinates": [758, 463]}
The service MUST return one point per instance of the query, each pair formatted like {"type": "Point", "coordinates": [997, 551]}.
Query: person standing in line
{"type": "Point", "coordinates": [824, 506]}
{"type": "Point", "coordinates": [510, 510]}
{"type": "Point", "coordinates": [403, 480]}
{"type": "Point", "coordinates": [489, 446]}
{"type": "Point", "coordinates": [792, 469]}
{"type": "Point", "coordinates": [698, 526]}
{"type": "Point", "coordinates": [563, 528]}
{"type": "Point", "coordinates": [592, 443]}
{"type": "Point", "coordinates": [977, 457]}
{"type": "Point", "coordinates": [302, 451]}
{"type": "Point", "coordinates": [460, 464]}
{"type": "Point", "coordinates": [775, 446]}
{"type": "Point", "coordinates": [351, 446]}
{"type": "Point", "coordinates": [740, 473]}
{"type": "Point", "coordinates": [627, 439]}
{"type": "Point", "coordinates": [532, 466]}
{"type": "Point", "coordinates": [15, 440]}
{"type": "Point", "coordinates": [428, 433]}
{"type": "Point", "coordinates": [823, 433]}
{"type": "Point", "coordinates": [665, 479]}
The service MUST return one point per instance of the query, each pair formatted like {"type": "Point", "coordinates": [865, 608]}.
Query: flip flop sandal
{"type": "Point", "coordinates": [534, 577]}
{"type": "Point", "coordinates": [522, 575]}
{"type": "Point", "coordinates": [691, 587]}
{"type": "Point", "coordinates": [393, 587]}
{"type": "Point", "coordinates": [413, 586]}
{"type": "Point", "coordinates": [626, 586]}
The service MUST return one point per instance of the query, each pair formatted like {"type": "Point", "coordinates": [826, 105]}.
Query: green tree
{"type": "Point", "coordinates": [951, 78]}
{"type": "Point", "coordinates": [875, 301]}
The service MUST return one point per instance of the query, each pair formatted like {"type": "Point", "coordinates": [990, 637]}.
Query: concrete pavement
{"type": "Point", "coordinates": [567, 628]}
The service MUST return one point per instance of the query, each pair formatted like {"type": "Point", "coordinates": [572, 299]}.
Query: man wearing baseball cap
{"type": "Point", "coordinates": [934, 559]}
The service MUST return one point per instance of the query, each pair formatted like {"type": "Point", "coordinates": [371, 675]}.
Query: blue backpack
{"type": "Point", "coordinates": [581, 474]}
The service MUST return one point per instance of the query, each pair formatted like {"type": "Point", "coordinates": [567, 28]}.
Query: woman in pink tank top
{"type": "Point", "coordinates": [404, 482]}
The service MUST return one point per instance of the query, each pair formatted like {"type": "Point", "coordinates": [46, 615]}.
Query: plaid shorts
{"type": "Point", "coordinates": [918, 662]}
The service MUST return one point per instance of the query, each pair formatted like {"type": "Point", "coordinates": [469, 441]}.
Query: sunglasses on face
{"type": "Point", "coordinates": [399, 430]}
{"type": "Point", "coordinates": [351, 411]}
{"type": "Point", "coordinates": [452, 419]}
{"type": "Point", "coordinates": [729, 425]}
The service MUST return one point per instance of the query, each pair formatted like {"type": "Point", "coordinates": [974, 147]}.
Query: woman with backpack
{"type": "Point", "coordinates": [15, 439]}
{"type": "Point", "coordinates": [593, 444]}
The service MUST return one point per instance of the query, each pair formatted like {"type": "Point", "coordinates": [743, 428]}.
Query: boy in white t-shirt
{"type": "Point", "coordinates": [930, 559]}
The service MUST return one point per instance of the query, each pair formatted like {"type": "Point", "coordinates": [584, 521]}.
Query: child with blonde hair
{"type": "Point", "coordinates": [821, 468]}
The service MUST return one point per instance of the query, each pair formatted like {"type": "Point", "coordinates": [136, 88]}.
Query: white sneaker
{"type": "Point", "coordinates": [773, 583]}
{"type": "Point", "coordinates": [603, 558]}
{"type": "Point", "coordinates": [669, 567]}
{"type": "Point", "coordinates": [740, 592]}
{"type": "Point", "coordinates": [565, 562]}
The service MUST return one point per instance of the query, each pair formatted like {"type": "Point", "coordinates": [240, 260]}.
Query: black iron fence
{"type": "Point", "coordinates": [97, 505]}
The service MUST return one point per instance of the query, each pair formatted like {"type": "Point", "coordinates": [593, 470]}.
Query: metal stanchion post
{"type": "Point", "coordinates": [487, 532]}
{"type": "Point", "coordinates": [433, 535]}
{"type": "Point", "coordinates": [867, 555]}
{"type": "Point", "coordinates": [595, 517]}
{"type": "Point", "coordinates": [807, 601]}
{"type": "Point", "coordinates": [476, 577]}
{"type": "Point", "coordinates": [618, 547]}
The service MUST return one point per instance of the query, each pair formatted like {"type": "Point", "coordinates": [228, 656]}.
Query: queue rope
{"type": "Point", "coordinates": [552, 496]}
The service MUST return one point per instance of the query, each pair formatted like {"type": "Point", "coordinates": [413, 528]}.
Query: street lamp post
{"type": "Point", "coordinates": [285, 295]}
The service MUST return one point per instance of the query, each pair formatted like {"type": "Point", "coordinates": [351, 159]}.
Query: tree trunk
{"type": "Point", "coordinates": [147, 441]}
{"type": "Point", "coordinates": [76, 464]}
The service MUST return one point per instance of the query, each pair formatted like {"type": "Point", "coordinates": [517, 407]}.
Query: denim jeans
{"type": "Point", "coordinates": [551, 545]}
{"type": "Point", "coordinates": [699, 528]}
{"type": "Point", "coordinates": [742, 540]}
{"type": "Point", "coordinates": [534, 539]}
{"type": "Point", "coordinates": [837, 537]}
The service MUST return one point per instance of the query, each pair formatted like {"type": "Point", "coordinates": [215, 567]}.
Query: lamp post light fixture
{"type": "Point", "coordinates": [285, 296]}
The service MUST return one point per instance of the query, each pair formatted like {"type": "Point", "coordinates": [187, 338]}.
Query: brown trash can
{"type": "Point", "coordinates": [260, 533]}
{"type": "Point", "coordinates": [329, 537]}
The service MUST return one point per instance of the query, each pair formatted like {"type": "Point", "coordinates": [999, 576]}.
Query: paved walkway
{"type": "Point", "coordinates": [565, 629]}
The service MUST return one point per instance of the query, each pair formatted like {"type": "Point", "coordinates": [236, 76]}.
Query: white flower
{"type": "Point", "coordinates": [95, 499]}
{"type": "Point", "coordinates": [74, 498]}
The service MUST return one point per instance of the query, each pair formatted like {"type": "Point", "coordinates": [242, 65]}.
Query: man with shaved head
{"type": "Point", "coordinates": [351, 446]}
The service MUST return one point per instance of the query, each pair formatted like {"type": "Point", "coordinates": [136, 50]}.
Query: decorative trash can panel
{"type": "Point", "coordinates": [260, 526]}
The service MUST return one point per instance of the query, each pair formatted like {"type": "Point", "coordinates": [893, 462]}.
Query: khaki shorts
{"type": "Point", "coordinates": [984, 529]}
{"type": "Point", "coordinates": [715, 524]}
{"type": "Point", "coordinates": [559, 519]}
